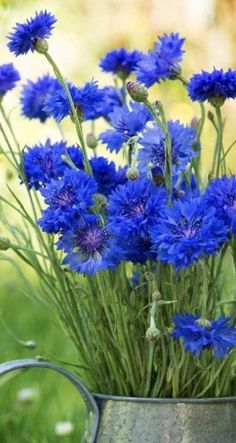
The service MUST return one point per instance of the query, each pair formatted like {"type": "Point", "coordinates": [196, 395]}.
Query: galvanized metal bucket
{"type": "Point", "coordinates": [144, 420]}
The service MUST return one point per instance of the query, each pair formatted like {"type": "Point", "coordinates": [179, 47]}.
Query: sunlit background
{"type": "Point", "coordinates": [85, 30]}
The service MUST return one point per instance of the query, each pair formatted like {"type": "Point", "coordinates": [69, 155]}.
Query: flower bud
{"type": "Point", "coordinates": [137, 92]}
{"type": "Point", "coordinates": [41, 46]}
{"type": "Point", "coordinates": [211, 116]}
{"type": "Point", "coordinates": [195, 122]}
{"type": "Point", "coordinates": [91, 141]}
{"type": "Point", "coordinates": [217, 101]}
{"type": "Point", "coordinates": [4, 243]}
{"type": "Point", "coordinates": [156, 296]}
{"type": "Point", "coordinates": [152, 334]}
{"type": "Point", "coordinates": [132, 174]}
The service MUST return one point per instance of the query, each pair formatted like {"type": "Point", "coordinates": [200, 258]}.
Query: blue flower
{"type": "Point", "coordinates": [152, 141]}
{"type": "Point", "coordinates": [186, 232]}
{"type": "Point", "coordinates": [120, 62]}
{"type": "Point", "coordinates": [134, 208]}
{"type": "Point", "coordinates": [213, 86]}
{"type": "Point", "coordinates": [9, 76]}
{"type": "Point", "coordinates": [25, 35]}
{"type": "Point", "coordinates": [221, 195]}
{"type": "Point", "coordinates": [89, 248]}
{"type": "Point", "coordinates": [106, 175]}
{"type": "Point", "coordinates": [67, 199]}
{"type": "Point", "coordinates": [33, 97]}
{"type": "Point", "coordinates": [199, 334]}
{"type": "Point", "coordinates": [88, 101]}
{"type": "Point", "coordinates": [43, 162]}
{"type": "Point", "coordinates": [163, 62]}
{"type": "Point", "coordinates": [133, 248]}
{"type": "Point", "coordinates": [126, 123]}
{"type": "Point", "coordinates": [112, 97]}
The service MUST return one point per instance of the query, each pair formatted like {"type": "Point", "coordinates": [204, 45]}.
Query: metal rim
{"type": "Point", "coordinates": [164, 400]}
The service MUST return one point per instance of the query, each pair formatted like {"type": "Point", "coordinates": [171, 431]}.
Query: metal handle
{"type": "Point", "coordinates": [91, 404]}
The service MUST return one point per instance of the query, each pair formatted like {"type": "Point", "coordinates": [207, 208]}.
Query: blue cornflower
{"type": "Point", "coordinates": [133, 248]}
{"type": "Point", "coordinates": [120, 62]}
{"type": "Point", "coordinates": [106, 175]}
{"type": "Point", "coordinates": [9, 76]}
{"type": "Point", "coordinates": [152, 141]}
{"type": "Point", "coordinates": [43, 162]}
{"type": "Point", "coordinates": [199, 334]}
{"type": "Point", "coordinates": [112, 97]}
{"type": "Point", "coordinates": [186, 232]}
{"type": "Point", "coordinates": [26, 35]}
{"type": "Point", "coordinates": [88, 101]}
{"type": "Point", "coordinates": [163, 62]}
{"type": "Point", "coordinates": [221, 195]}
{"type": "Point", "coordinates": [68, 199]}
{"type": "Point", "coordinates": [126, 123]}
{"type": "Point", "coordinates": [134, 208]}
{"type": "Point", "coordinates": [215, 86]}
{"type": "Point", "coordinates": [33, 97]}
{"type": "Point", "coordinates": [89, 248]}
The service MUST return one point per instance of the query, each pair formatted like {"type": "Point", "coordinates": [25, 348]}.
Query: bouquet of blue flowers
{"type": "Point", "coordinates": [139, 259]}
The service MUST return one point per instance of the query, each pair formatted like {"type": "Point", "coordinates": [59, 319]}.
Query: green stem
{"type": "Point", "coordinates": [73, 110]}
{"type": "Point", "coordinates": [219, 144]}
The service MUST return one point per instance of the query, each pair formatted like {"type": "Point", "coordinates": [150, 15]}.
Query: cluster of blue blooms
{"type": "Point", "coordinates": [138, 220]}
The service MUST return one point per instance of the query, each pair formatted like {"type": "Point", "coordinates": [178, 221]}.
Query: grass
{"type": "Point", "coordinates": [57, 400]}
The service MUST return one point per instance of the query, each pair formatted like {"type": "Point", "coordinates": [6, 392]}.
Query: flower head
{"type": "Point", "coordinates": [44, 162]}
{"type": "Point", "coordinates": [186, 232]}
{"type": "Point", "coordinates": [33, 97]}
{"type": "Point", "coordinates": [199, 334]}
{"type": "Point", "coordinates": [221, 195]}
{"type": "Point", "coordinates": [106, 175]}
{"type": "Point", "coordinates": [88, 101]}
{"type": "Point", "coordinates": [67, 199]}
{"type": "Point", "coordinates": [9, 76]}
{"type": "Point", "coordinates": [163, 62]}
{"type": "Point", "coordinates": [126, 124]}
{"type": "Point", "coordinates": [112, 97]}
{"type": "Point", "coordinates": [120, 62]}
{"type": "Point", "coordinates": [26, 35]}
{"type": "Point", "coordinates": [134, 208]}
{"type": "Point", "coordinates": [89, 248]}
{"type": "Point", "coordinates": [215, 86]}
{"type": "Point", "coordinates": [152, 141]}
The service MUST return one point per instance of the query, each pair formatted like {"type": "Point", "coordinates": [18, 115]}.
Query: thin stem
{"type": "Point", "coordinates": [219, 144]}
{"type": "Point", "coordinates": [73, 110]}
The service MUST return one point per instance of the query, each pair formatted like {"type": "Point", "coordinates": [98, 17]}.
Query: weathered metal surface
{"type": "Point", "coordinates": [166, 421]}
{"type": "Point", "coordinates": [138, 420]}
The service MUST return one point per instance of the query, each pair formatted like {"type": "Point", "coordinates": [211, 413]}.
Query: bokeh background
{"type": "Point", "coordinates": [86, 29]}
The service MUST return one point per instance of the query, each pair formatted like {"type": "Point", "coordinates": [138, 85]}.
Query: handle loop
{"type": "Point", "coordinates": [91, 405]}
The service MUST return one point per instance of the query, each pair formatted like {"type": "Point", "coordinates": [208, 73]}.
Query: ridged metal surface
{"type": "Point", "coordinates": [163, 421]}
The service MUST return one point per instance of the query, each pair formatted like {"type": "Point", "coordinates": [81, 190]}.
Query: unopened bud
{"type": "Point", "coordinates": [41, 46]}
{"type": "Point", "coordinates": [100, 201]}
{"type": "Point", "coordinates": [132, 173]}
{"type": "Point", "coordinates": [4, 243]}
{"type": "Point", "coordinates": [137, 92]}
{"type": "Point", "coordinates": [211, 116]}
{"type": "Point", "coordinates": [152, 334]}
{"type": "Point", "coordinates": [195, 122]}
{"type": "Point", "coordinates": [91, 141]}
{"type": "Point", "coordinates": [156, 296]}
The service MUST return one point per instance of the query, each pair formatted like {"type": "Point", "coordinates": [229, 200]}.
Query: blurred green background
{"type": "Point", "coordinates": [86, 29]}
